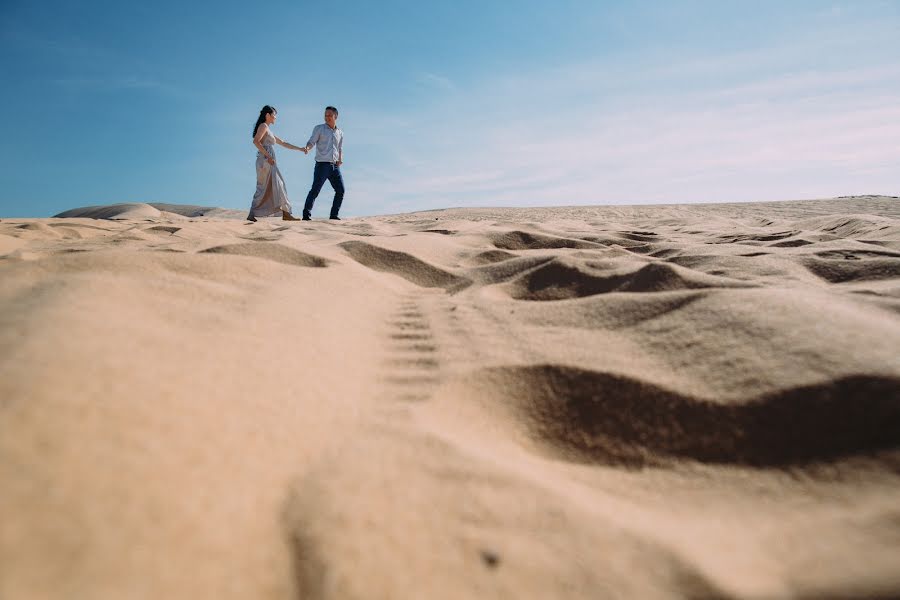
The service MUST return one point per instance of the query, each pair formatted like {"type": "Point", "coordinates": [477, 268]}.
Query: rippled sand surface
{"type": "Point", "coordinates": [686, 401]}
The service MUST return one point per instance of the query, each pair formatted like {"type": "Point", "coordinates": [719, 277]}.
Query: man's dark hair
{"type": "Point", "coordinates": [332, 109]}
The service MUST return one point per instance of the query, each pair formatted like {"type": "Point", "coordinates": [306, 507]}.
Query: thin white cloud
{"type": "Point", "coordinates": [436, 81]}
{"type": "Point", "coordinates": [116, 83]}
{"type": "Point", "coordinates": [78, 65]}
{"type": "Point", "coordinates": [540, 139]}
{"type": "Point", "coordinates": [815, 81]}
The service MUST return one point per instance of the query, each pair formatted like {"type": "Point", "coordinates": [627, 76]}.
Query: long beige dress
{"type": "Point", "coordinates": [270, 198]}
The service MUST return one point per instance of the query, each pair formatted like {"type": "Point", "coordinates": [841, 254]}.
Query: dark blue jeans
{"type": "Point", "coordinates": [332, 173]}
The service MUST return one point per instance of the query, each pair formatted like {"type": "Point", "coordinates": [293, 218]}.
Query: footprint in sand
{"type": "Point", "coordinates": [411, 365]}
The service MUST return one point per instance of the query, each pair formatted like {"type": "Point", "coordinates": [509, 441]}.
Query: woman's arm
{"type": "Point", "coordinates": [281, 142]}
{"type": "Point", "coordinates": [257, 141]}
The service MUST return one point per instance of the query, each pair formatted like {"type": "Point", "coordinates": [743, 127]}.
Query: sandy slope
{"type": "Point", "coordinates": [628, 402]}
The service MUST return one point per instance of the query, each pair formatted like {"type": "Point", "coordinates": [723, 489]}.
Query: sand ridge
{"type": "Point", "coordinates": [686, 401]}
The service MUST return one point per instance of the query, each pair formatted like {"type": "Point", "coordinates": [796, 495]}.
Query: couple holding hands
{"type": "Point", "coordinates": [270, 198]}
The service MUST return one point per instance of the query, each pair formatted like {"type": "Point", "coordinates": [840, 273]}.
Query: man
{"type": "Point", "coordinates": [329, 142]}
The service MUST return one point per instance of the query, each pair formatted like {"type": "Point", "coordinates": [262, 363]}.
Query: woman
{"type": "Point", "coordinates": [270, 198]}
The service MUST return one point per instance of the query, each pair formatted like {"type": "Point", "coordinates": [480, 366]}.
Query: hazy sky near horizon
{"type": "Point", "coordinates": [446, 104]}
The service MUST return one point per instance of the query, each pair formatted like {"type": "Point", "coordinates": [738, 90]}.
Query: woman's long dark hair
{"type": "Point", "coordinates": [266, 110]}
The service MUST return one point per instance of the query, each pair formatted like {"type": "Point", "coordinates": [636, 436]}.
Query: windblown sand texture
{"type": "Point", "coordinates": [695, 401]}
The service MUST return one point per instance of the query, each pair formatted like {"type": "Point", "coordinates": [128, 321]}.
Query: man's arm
{"type": "Point", "coordinates": [313, 138]}
{"type": "Point", "coordinates": [340, 159]}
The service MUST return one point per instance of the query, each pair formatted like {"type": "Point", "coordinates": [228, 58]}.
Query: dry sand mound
{"type": "Point", "coordinates": [603, 418]}
{"type": "Point", "coordinates": [695, 401]}
{"type": "Point", "coordinates": [135, 211]}
{"type": "Point", "coordinates": [853, 268]}
{"type": "Point", "coordinates": [163, 229]}
{"type": "Point", "coordinates": [491, 256]}
{"type": "Point", "coordinates": [405, 265]}
{"type": "Point", "coordinates": [195, 211]}
{"type": "Point", "coordinates": [522, 240]}
{"type": "Point", "coordinates": [503, 270]}
{"type": "Point", "coordinates": [559, 279]}
{"type": "Point", "coordinates": [146, 211]}
{"type": "Point", "coordinates": [270, 251]}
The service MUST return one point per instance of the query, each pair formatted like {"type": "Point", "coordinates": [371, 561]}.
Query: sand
{"type": "Point", "coordinates": [692, 401]}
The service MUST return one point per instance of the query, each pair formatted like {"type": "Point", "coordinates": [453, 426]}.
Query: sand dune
{"type": "Point", "coordinates": [687, 401]}
{"type": "Point", "coordinates": [149, 211]}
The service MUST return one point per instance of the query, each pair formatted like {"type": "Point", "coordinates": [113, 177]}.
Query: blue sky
{"type": "Point", "coordinates": [446, 104]}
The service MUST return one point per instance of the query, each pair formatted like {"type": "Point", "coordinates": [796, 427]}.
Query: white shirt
{"type": "Point", "coordinates": [329, 143]}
